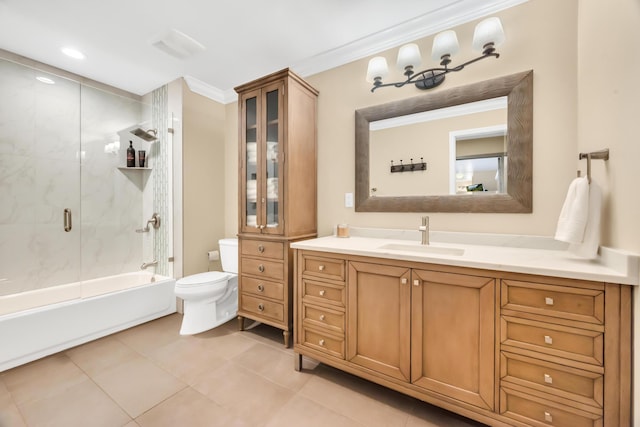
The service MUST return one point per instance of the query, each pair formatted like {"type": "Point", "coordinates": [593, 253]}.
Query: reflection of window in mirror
{"type": "Point", "coordinates": [478, 160]}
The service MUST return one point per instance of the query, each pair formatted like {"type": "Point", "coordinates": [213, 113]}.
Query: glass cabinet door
{"type": "Point", "coordinates": [273, 132]}
{"type": "Point", "coordinates": [262, 150]}
{"type": "Point", "coordinates": [250, 138]}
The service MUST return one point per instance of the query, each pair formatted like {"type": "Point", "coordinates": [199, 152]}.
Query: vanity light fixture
{"type": "Point", "coordinates": [487, 36]}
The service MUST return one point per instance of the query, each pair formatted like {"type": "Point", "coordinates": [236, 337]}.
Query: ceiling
{"type": "Point", "coordinates": [243, 40]}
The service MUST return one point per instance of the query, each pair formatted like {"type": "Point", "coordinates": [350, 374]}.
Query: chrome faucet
{"type": "Point", "coordinates": [155, 221]}
{"type": "Point", "coordinates": [424, 229]}
{"type": "Point", "coordinates": [148, 264]}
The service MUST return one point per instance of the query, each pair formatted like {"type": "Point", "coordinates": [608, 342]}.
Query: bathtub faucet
{"type": "Point", "coordinates": [148, 264]}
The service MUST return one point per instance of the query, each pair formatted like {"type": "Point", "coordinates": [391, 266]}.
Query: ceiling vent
{"type": "Point", "coordinates": [177, 44]}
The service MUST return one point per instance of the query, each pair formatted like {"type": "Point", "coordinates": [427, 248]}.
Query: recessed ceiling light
{"type": "Point", "coordinates": [74, 53]}
{"type": "Point", "coordinates": [46, 80]}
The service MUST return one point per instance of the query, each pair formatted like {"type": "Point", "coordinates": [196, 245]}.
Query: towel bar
{"type": "Point", "coordinates": [598, 155]}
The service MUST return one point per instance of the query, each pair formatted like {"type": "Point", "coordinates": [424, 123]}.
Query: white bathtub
{"type": "Point", "coordinates": [38, 323]}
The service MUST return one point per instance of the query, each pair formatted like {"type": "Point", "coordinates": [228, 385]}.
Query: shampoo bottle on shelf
{"type": "Point", "coordinates": [131, 155]}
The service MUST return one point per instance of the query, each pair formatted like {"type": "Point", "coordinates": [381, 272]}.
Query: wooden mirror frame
{"type": "Point", "coordinates": [518, 88]}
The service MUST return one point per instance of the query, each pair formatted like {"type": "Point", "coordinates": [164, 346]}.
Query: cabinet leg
{"type": "Point", "coordinates": [240, 323]}
{"type": "Point", "coordinates": [286, 335]}
{"type": "Point", "coordinates": [297, 362]}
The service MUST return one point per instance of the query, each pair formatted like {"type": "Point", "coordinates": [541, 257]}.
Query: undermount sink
{"type": "Point", "coordinates": [424, 249]}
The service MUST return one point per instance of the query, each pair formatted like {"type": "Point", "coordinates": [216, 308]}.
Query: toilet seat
{"type": "Point", "coordinates": [210, 278]}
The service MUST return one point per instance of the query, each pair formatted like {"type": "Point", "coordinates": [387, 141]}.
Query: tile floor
{"type": "Point", "coordinates": [151, 376]}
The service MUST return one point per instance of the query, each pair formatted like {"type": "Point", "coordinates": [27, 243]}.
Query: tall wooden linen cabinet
{"type": "Point", "coordinates": [277, 193]}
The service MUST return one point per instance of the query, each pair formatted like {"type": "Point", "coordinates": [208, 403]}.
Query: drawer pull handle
{"type": "Point", "coordinates": [416, 282]}
{"type": "Point", "coordinates": [321, 267]}
{"type": "Point", "coordinates": [261, 268]}
{"type": "Point", "coordinates": [548, 379]}
{"type": "Point", "coordinates": [548, 301]}
{"type": "Point", "coordinates": [261, 307]}
{"type": "Point", "coordinates": [260, 288]}
{"type": "Point", "coordinates": [548, 339]}
{"type": "Point", "coordinates": [322, 292]}
{"type": "Point", "coordinates": [260, 248]}
{"type": "Point", "coordinates": [403, 281]}
{"type": "Point", "coordinates": [321, 343]}
{"type": "Point", "coordinates": [322, 317]}
{"type": "Point", "coordinates": [548, 417]}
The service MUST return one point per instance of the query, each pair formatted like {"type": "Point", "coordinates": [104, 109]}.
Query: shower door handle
{"type": "Point", "coordinates": [67, 220]}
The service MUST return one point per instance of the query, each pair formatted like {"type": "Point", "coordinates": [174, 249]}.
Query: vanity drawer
{"type": "Point", "coordinates": [266, 309]}
{"type": "Point", "coordinates": [327, 268]}
{"type": "Point", "coordinates": [563, 381]}
{"type": "Point", "coordinates": [323, 292]}
{"type": "Point", "coordinates": [561, 341]}
{"type": "Point", "coordinates": [263, 288]}
{"type": "Point", "coordinates": [538, 412]}
{"type": "Point", "coordinates": [322, 317]}
{"type": "Point", "coordinates": [326, 343]}
{"type": "Point", "coordinates": [585, 305]}
{"type": "Point", "coordinates": [262, 249]}
{"type": "Point", "coordinates": [263, 268]}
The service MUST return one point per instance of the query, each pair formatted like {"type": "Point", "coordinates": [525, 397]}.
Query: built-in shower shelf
{"type": "Point", "coordinates": [123, 168]}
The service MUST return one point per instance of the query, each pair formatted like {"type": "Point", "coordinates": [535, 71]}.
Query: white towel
{"type": "Point", "coordinates": [574, 213]}
{"type": "Point", "coordinates": [588, 248]}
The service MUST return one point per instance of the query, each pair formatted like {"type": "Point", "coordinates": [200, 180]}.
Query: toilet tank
{"type": "Point", "coordinates": [229, 255]}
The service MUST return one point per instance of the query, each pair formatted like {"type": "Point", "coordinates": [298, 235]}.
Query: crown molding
{"type": "Point", "coordinates": [202, 88]}
{"type": "Point", "coordinates": [452, 15]}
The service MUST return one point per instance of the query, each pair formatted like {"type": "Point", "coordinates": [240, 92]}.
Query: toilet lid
{"type": "Point", "coordinates": [208, 278]}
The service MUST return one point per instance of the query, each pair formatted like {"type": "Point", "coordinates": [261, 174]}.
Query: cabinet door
{"type": "Point", "coordinates": [261, 151]}
{"type": "Point", "coordinates": [272, 177]}
{"type": "Point", "coordinates": [250, 135]}
{"type": "Point", "coordinates": [452, 327]}
{"type": "Point", "coordinates": [379, 318]}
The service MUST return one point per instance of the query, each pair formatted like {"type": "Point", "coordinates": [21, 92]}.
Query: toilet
{"type": "Point", "coordinates": [211, 298]}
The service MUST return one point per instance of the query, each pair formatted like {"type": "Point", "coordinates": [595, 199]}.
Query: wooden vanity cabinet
{"type": "Point", "coordinates": [452, 335]}
{"type": "Point", "coordinates": [277, 192]}
{"type": "Point", "coordinates": [432, 329]}
{"type": "Point", "coordinates": [502, 348]}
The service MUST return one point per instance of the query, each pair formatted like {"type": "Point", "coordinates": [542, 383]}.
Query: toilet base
{"type": "Point", "coordinates": [202, 315]}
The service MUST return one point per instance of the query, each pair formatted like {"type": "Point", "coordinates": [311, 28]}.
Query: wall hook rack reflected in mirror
{"type": "Point", "coordinates": [411, 167]}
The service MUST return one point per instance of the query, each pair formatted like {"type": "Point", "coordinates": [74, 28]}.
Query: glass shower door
{"type": "Point", "coordinates": [40, 157]}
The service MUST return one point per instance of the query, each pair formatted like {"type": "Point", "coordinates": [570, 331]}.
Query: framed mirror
{"type": "Point", "coordinates": [516, 197]}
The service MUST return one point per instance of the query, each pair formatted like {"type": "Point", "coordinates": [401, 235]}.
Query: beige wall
{"type": "Point", "coordinates": [608, 111]}
{"type": "Point", "coordinates": [231, 170]}
{"type": "Point", "coordinates": [609, 93]}
{"type": "Point", "coordinates": [203, 174]}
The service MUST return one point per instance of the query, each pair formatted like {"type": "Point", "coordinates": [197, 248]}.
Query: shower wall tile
{"type": "Point", "coordinates": [56, 188]}
{"type": "Point", "coordinates": [112, 204]}
{"type": "Point", "coordinates": [18, 270]}
{"type": "Point", "coordinates": [57, 121]}
{"type": "Point", "coordinates": [161, 186]}
{"type": "Point", "coordinates": [17, 127]}
{"type": "Point", "coordinates": [56, 255]}
{"type": "Point", "coordinates": [17, 180]}
{"type": "Point", "coordinates": [106, 251]}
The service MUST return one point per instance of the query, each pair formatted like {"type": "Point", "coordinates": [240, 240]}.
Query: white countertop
{"type": "Point", "coordinates": [501, 252]}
